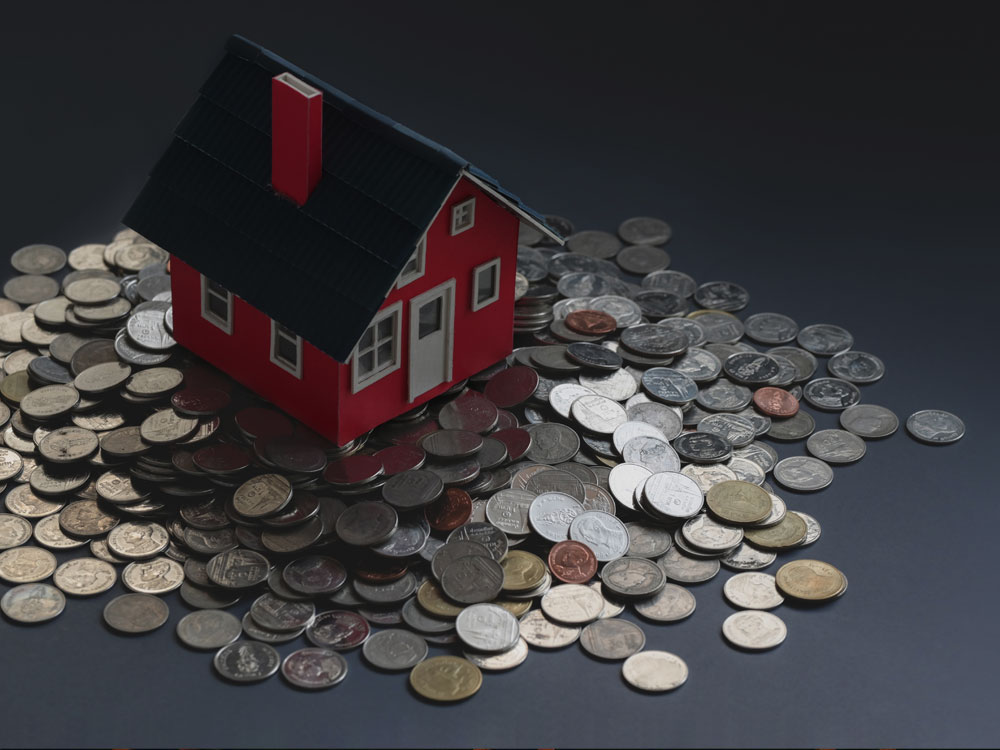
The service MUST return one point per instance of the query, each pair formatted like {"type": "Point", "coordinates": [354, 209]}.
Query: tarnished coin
{"type": "Point", "coordinates": [446, 678]}
{"type": "Point", "coordinates": [612, 639]}
{"type": "Point", "coordinates": [776, 402]}
{"type": "Point", "coordinates": [26, 565]}
{"type": "Point", "coordinates": [10, 464]}
{"type": "Point", "coordinates": [602, 532]}
{"type": "Point", "coordinates": [49, 402]}
{"type": "Point", "coordinates": [33, 602]}
{"type": "Point", "coordinates": [472, 579]}
{"type": "Point", "coordinates": [30, 289]}
{"type": "Point", "coordinates": [655, 671]}
{"type": "Point", "coordinates": [787, 533]}
{"type": "Point", "coordinates": [208, 629]}
{"type": "Point", "coordinates": [315, 575]}
{"type": "Point", "coordinates": [752, 591]}
{"type": "Point", "coordinates": [237, 569]}
{"type": "Point", "coordinates": [633, 577]}
{"type": "Point", "coordinates": [101, 378]}
{"type": "Point", "coordinates": [810, 580]}
{"type": "Point", "coordinates": [672, 603]}
{"type": "Point", "coordinates": [707, 536]}
{"type": "Point", "coordinates": [754, 630]}
{"type": "Point", "coordinates": [935, 426]}
{"type": "Point", "coordinates": [541, 632]}
{"type": "Point", "coordinates": [793, 428]}
{"type": "Point", "coordinates": [366, 523]}
{"type": "Point", "coordinates": [136, 613]}
{"type": "Point", "coordinates": [246, 661]}
{"type": "Point", "coordinates": [338, 629]}
{"type": "Point", "coordinates": [137, 540]}
{"type": "Point", "coordinates": [157, 576]}
{"type": "Point", "coordinates": [836, 446]}
{"type": "Point", "coordinates": [263, 495]}
{"type": "Point", "coordinates": [869, 421]}
{"type": "Point", "coordinates": [685, 569]}
{"type": "Point", "coordinates": [314, 668]}
{"type": "Point", "coordinates": [739, 502]}
{"type": "Point", "coordinates": [394, 649]}
{"type": "Point", "coordinates": [84, 576]}
{"type": "Point", "coordinates": [38, 259]}
{"type": "Point", "coordinates": [803, 473]}
{"type": "Point", "coordinates": [68, 444]}
{"type": "Point", "coordinates": [487, 628]}
{"type": "Point", "coordinates": [14, 531]}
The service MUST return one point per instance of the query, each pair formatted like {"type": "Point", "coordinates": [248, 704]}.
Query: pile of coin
{"type": "Point", "coordinates": [613, 461]}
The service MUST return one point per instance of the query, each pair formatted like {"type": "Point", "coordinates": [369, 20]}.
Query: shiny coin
{"type": "Point", "coordinates": [157, 576]}
{"type": "Point", "coordinates": [707, 536]}
{"type": "Point", "coordinates": [803, 473]}
{"type": "Point", "coordinates": [669, 386]}
{"type": "Point", "coordinates": [135, 540]}
{"type": "Point", "coordinates": [602, 532]}
{"type": "Point", "coordinates": [487, 628]}
{"type": "Point", "coordinates": [747, 557]}
{"type": "Point", "coordinates": [612, 639]}
{"type": "Point", "coordinates": [633, 577]}
{"type": "Point", "coordinates": [395, 649]}
{"type": "Point", "coordinates": [705, 476]}
{"type": "Point", "coordinates": [237, 569]}
{"type": "Point", "coordinates": [503, 660]}
{"type": "Point", "coordinates": [541, 632]}
{"type": "Point", "coordinates": [831, 394]}
{"type": "Point", "coordinates": [10, 464]}
{"type": "Point", "coordinates": [647, 540]}
{"type": "Point", "coordinates": [208, 629]}
{"type": "Point", "coordinates": [314, 668]}
{"type": "Point", "coordinates": [655, 671]}
{"type": "Point", "coordinates": [485, 534]}
{"type": "Point", "coordinates": [752, 591]}
{"type": "Point", "coordinates": [551, 514]}
{"type": "Point", "coordinates": [315, 575]}
{"type": "Point", "coordinates": [338, 629]}
{"type": "Point", "coordinates": [739, 502]}
{"type": "Point", "coordinates": [825, 339]}
{"type": "Point", "coordinates": [508, 511]}
{"type": "Point", "coordinates": [246, 661]}
{"type": "Point", "coordinates": [682, 568]}
{"type": "Point", "coordinates": [446, 678]}
{"type": "Point", "coordinates": [167, 426]}
{"type": "Point", "coordinates": [671, 604]}
{"type": "Point", "coordinates": [754, 630]}
{"type": "Point", "coordinates": [572, 562]}
{"type": "Point", "coordinates": [776, 402]}
{"type": "Point", "coordinates": [85, 576]}
{"type": "Point", "coordinates": [598, 414]}
{"type": "Point", "coordinates": [14, 531]}
{"type": "Point", "coordinates": [771, 328]}
{"type": "Point", "coordinates": [836, 446]}
{"type": "Point", "coordinates": [787, 533]}
{"type": "Point", "coordinates": [813, 529]}
{"type": "Point", "coordinates": [522, 571]}
{"type": "Point", "coordinates": [33, 602]}
{"type": "Point", "coordinates": [869, 421]}
{"type": "Point", "coordinates": [26, 565]}
{"type": "Point", "coordinates": [935, 427]}
{"type": "Point", "coordinates": [135, 613]}
{"type": "Point", "coordinates": [49, 402]}
{"type": "Point", "coordinates": [102, 378]}
{"type": "Point", "coordinates": [673, 495]}
{"type": "Point", "coordinates": [702, 448]}
{"type": "Point", "coordinates": [810, 580]}
{"type": "Point", "coordinates": [572, 604]}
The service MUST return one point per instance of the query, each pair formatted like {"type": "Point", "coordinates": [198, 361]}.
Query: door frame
{"type": "Point", "coordinates": [446, 292]}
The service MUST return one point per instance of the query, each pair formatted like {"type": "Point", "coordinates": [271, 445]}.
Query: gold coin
{"type": "Point", "coordinates": [446, 678]}
{"type": "Point", "coordinates": [788, 532]}
{"type": "Point", "coordinates": [522, 571]}
{"type": "Point", "coordinates": [432, 598]}
{"type": "Point", "coordinates": [810, 580]}
{"type": "Point", "coordinates": [739, 502]}
{"type": "Point", "coordinates": [515, 608]}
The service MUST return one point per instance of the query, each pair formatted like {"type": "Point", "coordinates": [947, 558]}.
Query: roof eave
{"type": "Point", "coordinates": [524, 215]}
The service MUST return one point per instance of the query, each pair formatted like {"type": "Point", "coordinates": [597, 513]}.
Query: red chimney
{"type": "Point", "coordinates": [296, 137]}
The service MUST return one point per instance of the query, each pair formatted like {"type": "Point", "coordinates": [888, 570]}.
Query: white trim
{"type": "Point", "coordinates": [500, 198]}
{"type": "Point", "coordinates": [447, 293]}
{"type": "Point", "coordinates": [476, 304]}
{"type": "Point", "coordinates": [456, 209]}
{"type": "Point", "coordinates": [298, 84]}
{"type": "Point", "coordinates": [226, 326]}
{"type": "Point", "coordinates": [276, 360]}
{"type": "Point", "coordinates": [421, 254]}
{"type": "Point", "coordinates": [396, 310]}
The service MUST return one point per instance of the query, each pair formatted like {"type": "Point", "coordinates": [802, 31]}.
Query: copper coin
{"type": "Point", "coordinates": [199, 402]}
{"type": "Point", "coordinates": [257, 421]}
{"type": "Point", "coordinates": [512, 386]}
{"type": "Point", "coordinates": [590, 322]}
{"type": "Point", "coordinates": [776, 402]}
{"type": "Point", "coordinates": [516, 439]}
{"type": "Point", "coordinates": [572, 562]}
{"type": "Point", "coordinates": [224, 458]}
{"type": "Point", "coordinates": [353, 470]}
{"type": "Point", "coordinates": [451, 510]}
{"type": "Point", "coordinates": [399, 458]}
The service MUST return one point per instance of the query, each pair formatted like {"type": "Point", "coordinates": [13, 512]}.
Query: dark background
{"type": "Point", "coordinates": [839, 161]}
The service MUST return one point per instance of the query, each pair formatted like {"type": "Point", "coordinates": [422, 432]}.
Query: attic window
{"type": "Point", "coordinates": [463, 216]}
{"type": "Point", "coordinates": [377, 353]}
{"type": "Point", "coordinates": [216, 304]}
{"type": "Point", "coordinates": [286, 349]}
{"type": "Point", "coordinates": [486, 284]}
{"type": "Point", "coordinates": [414, 267]}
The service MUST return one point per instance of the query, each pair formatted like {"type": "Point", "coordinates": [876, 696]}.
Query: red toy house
{"type": "Point", "coordinates": [332, 260]}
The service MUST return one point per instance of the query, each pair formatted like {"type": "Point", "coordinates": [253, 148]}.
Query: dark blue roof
{"type": "Point", "coordinates": [322, 269]}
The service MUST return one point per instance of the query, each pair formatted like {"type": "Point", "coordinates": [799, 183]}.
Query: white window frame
{"type": "Point", "coordinates": [477, 271]}
{"type": "Point", "coordinates": [395, 311]}
{"type": "Point", "coordinates": [421, 255]}
{"type": "Point", "coordinates": [457, 209]}
{"type": "Point", "coordinates": [226, 326]}
{"type": "Point", "coordinates": [295, 370]}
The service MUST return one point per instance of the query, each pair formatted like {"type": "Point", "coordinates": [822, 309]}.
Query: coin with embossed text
{"type": "Point", "coordinates": [246, 661]}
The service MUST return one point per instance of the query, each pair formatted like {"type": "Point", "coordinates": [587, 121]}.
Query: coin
{"type": "Point", "coordinates": [831, 394]}
{"type": "Point", "coordinates": [38, 259]}
{"type": "Point", "coordinates": [551, 514]}
{"type": "Point", "coordinates": [338, 629]}
{"type": "Point", "coordinates": [135, 613]}
{"type": "Point", "coordinates": [487, 628]}
{"type": "Point", "coordinates": [503, 660]}
{"type": "Point", "coordinates": [85, 576]}
{"type": "Point", "coordinates": [48, 534]}
{"type": "Point", "coordinates": [793, 428]}
{"type": "Point", "coordinates": [446, 678]}
{"type": "Point", "coordinates": [810, 580]}
{"type": "Point", "coordinates": [472, 579]}
{"type": "Point", "coordinates": [49, 402]}
{"type": "Point", "coordinates": [746, 557]}
{"type": "Point", "coordinates": [787, 533]}
{"type": "Point", "coordinates": [33, 602]}
{"type": "Point", "coordinates": [673, 495]}
{"type": "Point", "coordinates": [86, 518]}
{"type": "Point", "coordinates": [836, 446]}
{"type": "Point", "coordinates": [739, 502]}
{"type": "Point", "coordinates": [167, 426]}
{"type": "Point", "coordinates": [208, 629]}
{"type": "Point", "coordinates": [776, 402]}
{"type": "Point", "coordinates": [540, 632]}
{"type": "Point", "coordinates": [26, 565]}
{"type": "Point", "coordinates": [754, 630]}
{"type": "Point", "coordinates": [572, 604]}
{"type": "Point", "coordinates": [813, 530]}
{"type": "Point", "coordinates": [752, 591]}
{"type": "Point", "coordinates": [136, 540]}
{"type": "Point", "coordinates": [522, 571]}
{"type": "Point", "coordinates": [602, 532]}
{"type": "Point", "coordinates": [14, 531]}
{"type": "Point", "coordinates": [869, 421]}
{"type": "Point", "coordinates": [655, 671]}
{"type": "Point", "coordinates": [315, 575]}
{"type": "Point", "coordinates": [238, 569]}
{"type": "Point", "coordinates": [612, 639]}
{"type": "Point", "coordinates": [685, 569]}
{"type": "Point", "coordinates": [394, 649]}
{"type": "Point", "coordinates": [935, 427]}
{"type": "Point", "coordinates": [633, 577]}
{"type": "Point", "coordinates": [157, 576]}
{"type": "Point", "coordinates": [670, 604]}
{"type": "Point", "coordinates": [572, 562]}
{"type": "Point", "coordinates": [246, 661]}
{"type": "Point", "coordinates": [803, 473]}
{"type": "Point", "coordinates": [367, 523]}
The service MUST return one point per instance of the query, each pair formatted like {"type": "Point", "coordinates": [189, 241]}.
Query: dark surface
{"type": "Point", "coordinates": [842, 167]}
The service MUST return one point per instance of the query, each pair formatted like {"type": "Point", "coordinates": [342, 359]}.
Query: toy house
{"type": "Point", "coordinates": [333, 261]}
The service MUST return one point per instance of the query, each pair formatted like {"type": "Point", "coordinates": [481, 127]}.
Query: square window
{"type": "Point", "coordinates": [385, 329]}
{"type": "Point", "coordinates": [486, 284]}
{"type": "Point", "coordinates": [384, 354]}
{"type": "Point", "coordinates": [430, 318]}
{"type": "Point", "coordinates": [366, 363]}
{"type": "Point", "coordinates": [377, 352]}
{"type": "Point", "coordinates": [463, 216]}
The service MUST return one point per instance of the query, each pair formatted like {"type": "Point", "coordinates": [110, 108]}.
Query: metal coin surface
{"type": "Point", "coordinates": [612, 639]}
{"type": "Point", "coordinates": [708, 536]}
{"type": "Point", "coordinates": [238, 569]}
{"type": "Point", "coordinates": [707, 475]}
{"type": "Point", "coordinates": [551, 514]}
{"type": "Point", "coordinates": [30, 603]}
{"type": "Point", "coordinates": [338, 629]}
{"type": "Point", "coordinates": [508, 511]}
{"type": "Point", "coordinates": [206, 598]}
{"type": "Point", "coordinates": [856, 367]}
{"type": "Point", "coordinates": [572, 604]}
{"type": "Point", "coordinates": [487, 628]}
{"type": "Point", "coordinates": [315, 575]}
{"type": "Point", "coordinates": [703, 448]}
{"type": "Point", "coordinates": [572, 562]}
{"type": "Point", "coordinates": [472, 579]}
{"type": "Point", "coordinates": [48, 533]}
{"type": "Point", "coordinates": [836, 446]}
{"type": "Point", "coordinates": [598, 414]}
{"type": "Point", "coordinates": [49, 402]}
{"type": "Point", "coordinates": [392, 592]}
{"type": "Point", "coordinates": [246, 661]}
{"type": "Point", "coordinates": [647, 540]}
{"type": "Point", "coordinates": [86, 518]}
{"type": "Point", "coordinates": [724, 395]}
{"type": "Point", "coordinates": [366, 523]}
{"type": "Point", "coordinates": [803, 473]}
{"type": "Point", "coordinates": [810, 580]}
{"type": "Point", "coordinates": [263, 495]}
{"type": "Point", "coordinates": [790, 532]}
{"type": "Point", "coordinates": [747, 557]}
{"type": "Point", "coordinates": [14, 531]}
{"type": "Point", "coordinates": [673, 495]}
{"type": "Point", "coordinates": [135, 613]}
{"type": "Point", "coordinates": [274, 613]}
{"type": "Point", "coordinates": [446, 678]}
{"type": "Point", "coordinates": [685, 569]}
{"type": "Point", "coordinates": [208, 629]}
{"type": "Point", "coordinates": [754, 630]}
{"type": "Point", "coordinates": [503, 660]}
{"type": "Point", "coordinates": [38, 259]}
{"type": "Point", "coordinates": [825, 339]}
{"type": "Point", "coordinates": [412, 489]}
{"type": "Point", "coordinates": [771, 328]}
{"type": "Point", "coordinates": [793, 428]}
{"type": "Point", "coordinates": [633, 577]}
{"type": "Point", "coordinates": [655, 671]}
{"type": "Point", "coordinates": [157, 576]}
{"type": "Point", "coordinates": [751, 368]}
{"type": "Point", "coordinates": [485, 534]}
{"type": "Point", "coordinates": [26, 565]}
{"type": "Point", "coordinates": [752, 591]}
{"type": "Point", "coordinates": [935, 426]}
{"type": "Point", "coordinates": [552, 444]}
{"type": "Point", "coordinates": [395, 649]}
{"type": "Point", "coordinates": [734, 429]}
{"type": "Point", "coordinates": [669, 386]}
{"type": "Point", "coordinates": [68, 444]}
{"type": "Point", "coordinates": [314, 668]}
{"type": "Point", "coordinates": [522, 571]}
{"type": "Point", "coordinates": [776, 402]}
{"type": "Point", "coordinates": [30, 289]}
{"type": "Point", "coordinates": [869, 421]}
{"type": "Point", "coordinates": [602, 532]}
{"type": "Point", "coordinates": [651, 452]}
{"type": "Point", "coordinates": [831, 394]}
{"type": "Point", "coordinates": [511, 387]}
{"type": "Point", "coordinates": [671, 604]}
{"type": "Point", "coordinates": [85, 576]}
{"type": "Point", "coordinates": [541, 632]}
{"type": "Point", "coordinates": [452, 509]}
{"type": "Point", "coordinates": [739, 502]}
{"type": "Point", "coordinates": [137, 540]}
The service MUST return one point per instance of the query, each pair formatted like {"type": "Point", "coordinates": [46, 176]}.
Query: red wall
{"type": "Point", "coordinates": [480, 338]}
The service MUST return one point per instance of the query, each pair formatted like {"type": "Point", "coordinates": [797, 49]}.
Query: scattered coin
{"type": "Point", "coordinates": [935, 427]}
{"type": "Point", "coordinates": [541, 632]}
{"type": "Point", "coordinates": [208, 629]}
{"type": "Point", "coordinates": [135, 613]}
{"type": "Point", "coordinates": [314, 668]}
{"type": "Point", "coordinates": [655, 671]}
{"type": "Point", "coordinates": [803, 473]}
{"type": "Point", "coordinates": [754, 630]}
{"type": "Point", "coordinates": [395, 649]}
{"type": "Point", "coordinates": [85, 576]}
{"type": "Point", "coordinates": [810, 580]}
{"type": "Point", "coordinates": [446, 678]}
{"type": "Point", "coordinates": [671, 604]}
{"type": "Point", "coordinates": [246, 661]}
{"type": "Point", "coordinates": [752, 591]}
{"type": "Point", "coordinates": [33, 602]}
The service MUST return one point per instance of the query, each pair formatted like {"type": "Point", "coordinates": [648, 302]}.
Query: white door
{"type": "Point", "coordinates": [432, 325]}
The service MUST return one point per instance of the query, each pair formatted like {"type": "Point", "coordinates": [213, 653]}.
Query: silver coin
{"type": "Point", "coordinates": [856, 367]}
{"type": "Point", "coordinates": [633, 577]}
{"type": "Point", "coordinates": [935, 426]}
{"type": "Point", "coordinates": [746, 471]}
{"type": "Point", "coordinates": [338, 629]}
{"type": "Point", "coordinates": [274, 613]}
{"type": "Point", "coordinates": [238, 569]}
{"type": "Point", "coordinates": [451, 551]}
{"type": "Point", "coordinates": [135, 613]}
{"type": "Point", "coordinates": [831, 394]}
{"type": "Point", "coordinates": [208, 629]}
{"type": "Point", "coordinates": [540, 632]}
{"type": "Point", "coordinates": [556, 480]}
{"type": "Point", "coordinates": [562, 396]}
{"type": "Point", "coordinates": [26, 565]}
{"type": "Point", "coordinates": [617, 386]}
{"type": "Point", "coordinates": [673, 495]}
{"type": "Point", "coordinates": [367, 523]}
{"type": "Point", "coordinates": [720, 328]}
{"type": "Point", "coordinates": [667, 419]}
{"type": "Point", "coordinates": [552, 444]}
{"type": "Point", "coordinates": [793, 428]}
{"type": "Point", "coordinates": [147, 329]}
{"type": "Point", "coordinates": [485, 534]}
{"type": "Point", "coordinates": [771, 328]}
{"type": "Point", "coordinates": [655, 671]}
{"type": "Point", "coordinates": [508, 510]}
{"type": "Point", "coordinates": [551, 514]}
{"type": "Point", "coordinates": [761, 454]}
{"type": "Point", "coordinates": [647, 540]}
{"type": "Point", "coordinates": [732, 428]}
{"type": "Point", "coordinates": [612, 639]}
{"type": "Point", "coordinates": [207, 598]}
{"type": "Point", "coordinates": [669, 386]}
{"type": "Point", "coordinates": [49, 402]}
{"type": "Point", "coordinates": [803, 473]}
{"type": "Point", "coordinates": [623, 480]}
{"type": "Point", "coordinates": [48, 534]}
{"type": "Point", "coordinates": [137, 540]}
{"type": "Point", "coordinates": [708, 475]}
{"type": "Point", "coordinates": [503, 660]}
{"type": "Point", "coordinates": [778, 511]}
{"type": "Point", "coordinates": [752, 591]}
{"type": "Point", "coordinates": [684, 569]}
{"type": "Point", "coordinates": [472, 579]}
{"type": "Point", "coordinates": [408, 539]}
{"type": "Point", "coordinates": [395, 649]}
{"type": "Point", "coordinates": [747, 557]}
{"type": "Point", "coordinates": [671, 604]}
{"type": "Point", "coordinates": [869, 421]}
{"type": "Point", "coordinates": [38, 259]}
{"type": "Point", "coordinates": [606, 536]}
{"type": "Point", "coordinates": [598, 414]}
{"type": "Point", "coordinates": [252, 630]}
{"type": "Point", "coordinates": [33, 602]}
{"type": "Point", "coordinates": [724, 395]}
{"type": "Point", "coordinates": [30, 289]}
{"type": "Point", "coordinates": [698, 364]}
{"type": "Point", "coordinates": [754, 630]}
{"type": "Point", "coordinates": [314, 668]}
{"type": "Point", "coordinates": [387, 593]}
{"type": "Point", "coordinates": [645, 230]}
{"type": "Point", "coordinates": [422, 622]}
{"type": "Point", "coordinates": [813, 530]}
{"type": "Point", "coordinates": [14, 531]}
{"type": "Point", "coordinates": [708, 535]}
{"type": "Point", "coordinates": [246, 661]}
{"type": "Point", "coordinates": [487, 628]}
{"type": "Point", "coordinates": [836, 446]}
{"type": "Point", "coordinates": [825, 339]}
{"type": "Point", "coordinates": [84, 576]}
{"type": "Point", "coordinates": [653, 453]}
